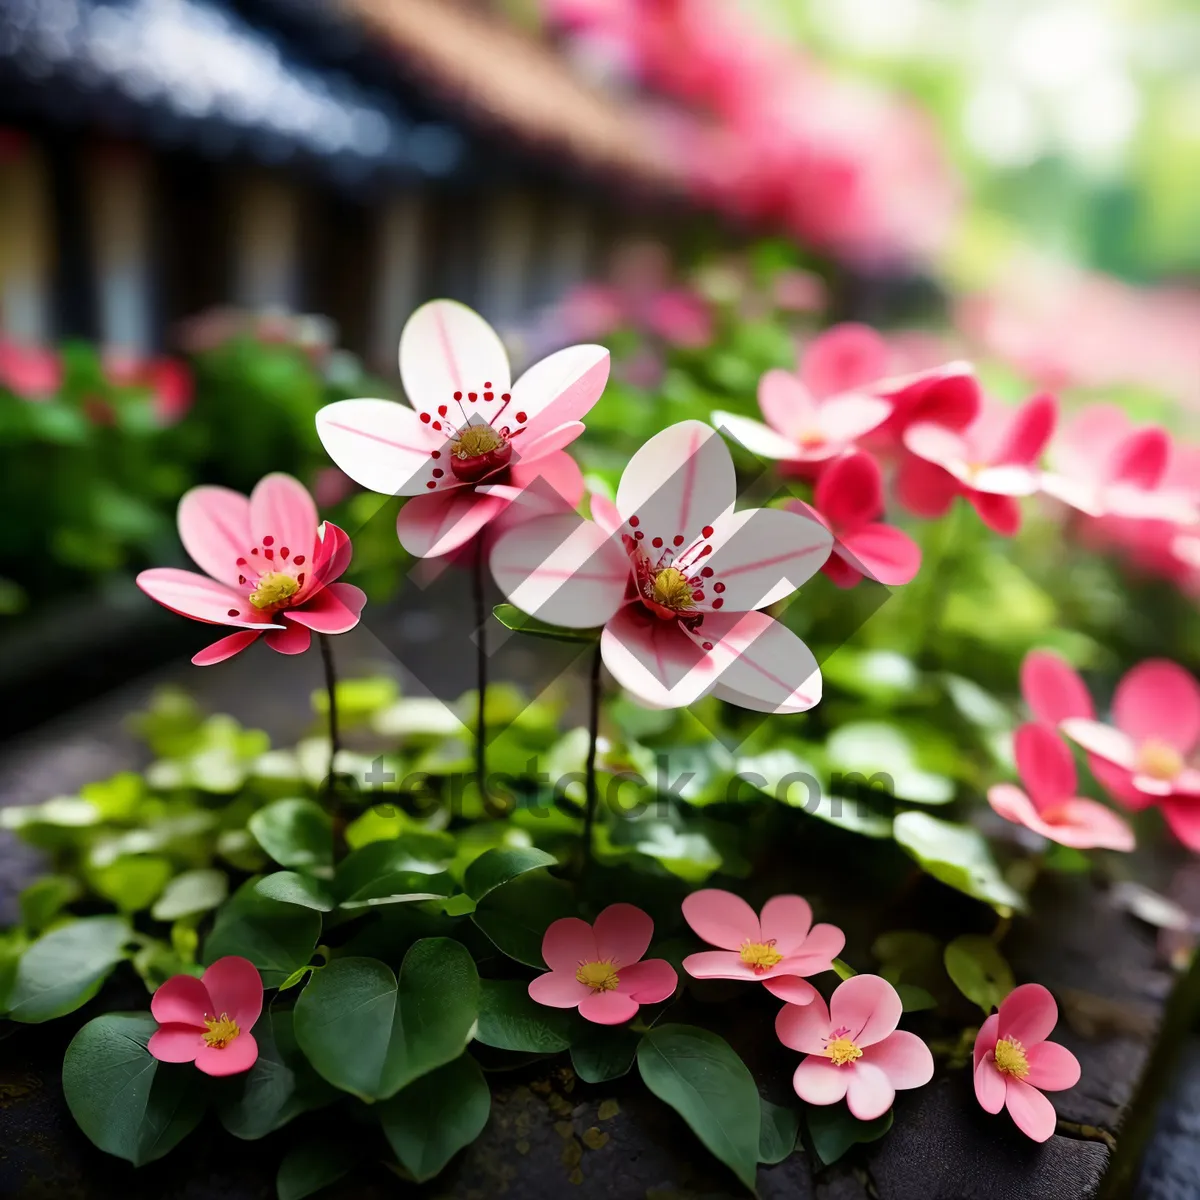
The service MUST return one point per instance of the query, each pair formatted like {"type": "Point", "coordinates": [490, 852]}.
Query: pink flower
{"type": "Point", "coordinates": [1050, 805]}
{"type": "Point", "coordinates": [208, 1021]}
{"type": "Point", "coordinates": [270, 569]}
{"type": "Point", "coordinates": [599, 968]}
{"type": "Point", "coordinates": [853, 1048]}
{"type": "Point", "coordinates": [681, 317]}
{"type": "Point", "coordinates": [991, 462]}
{"type": "Point", "coordinates": [776, 949]}
{"type": "Point", "coordinates": [169, 381]}
{"type": "Point", "coordinates": [1014, 1064]}
{"type": "Point", "coordinates": [1052, 688]}
{"type": "Point", "coordinates": [677, 579]}
{"type": "Point", "coordinates": [472, 441]}
{"type": "Point", "coordinates": [29, 371]}
{"type": "Point", "coordinates": [849, 501]}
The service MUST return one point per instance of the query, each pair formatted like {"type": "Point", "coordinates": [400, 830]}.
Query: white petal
{"type": "Point", "coordinates": [754, 436]}
{"type": "Point", "coordinates": [654, 659]}
{"type": "Point", "coordinates": [381, 445]}
{"type": "Point", "coordinates": [1102, 740]}
{"type": "Point", "coordinates": [560, 389]}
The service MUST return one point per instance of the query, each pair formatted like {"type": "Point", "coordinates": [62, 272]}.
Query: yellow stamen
{"type": "Point", "coordinates": [1010, 1058]}
{"type": "Point", "coordinates": [841, 1051]}
{"type": "Point", "coordinates": [473, 440]}
{"type": "Point", "coordinates": [762, 956]}
{"type": "Point", "coordinates": [1159, 759]}
{"type": "Point", "coordinates": [812, 439]}
{"type": "Point", "coordinates": [221, 1031]}
{"type": "Point", "coordinates": [672, 590]}
{"type": "Point", "coordinates": [273, 589]}
{"type": "Point", "coordinates": [599, 976]}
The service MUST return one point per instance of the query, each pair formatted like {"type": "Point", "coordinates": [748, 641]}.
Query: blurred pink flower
{"type": "Point", "coordinates": [168, 380]}
{"type": "Point", "coordinates": [1049, 805]}
{"type": "Point", "coordinates": [681, 317]}
{"type": "Point", "coordinates": [677, 579]}
{"type": "Point", "coordinates": [853, 1047]}
{"type": "Point", "coordinates": [30, 372]}
{"type": "Point", "coordinates": [469, 445]}
{"type": "Point", "coordinates": [1015, 1064]}
{"type": "Point", "coordinates": [776, 949]}
{"type": "Point", "coordinates": [271, 568]}
{"type": "Point", "coordinates": [599, 969]}
{"type": "Point", "coordinates": [208, 1021]}
{"type": "Point", "coordinates": [1053, 689]}
{"type": "Point", "coordinates": [849, 501]}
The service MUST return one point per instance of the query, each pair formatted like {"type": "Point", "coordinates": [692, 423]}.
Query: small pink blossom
{"type": "Point", "coordinates": [169, 381]}
{"type": "Point", "coordinates": [208, 1021]}
{"type": "Point", "coordinates": [849, 503]}
{"type": "Point", "coordinates": [1015, 1064]}
{"type": "Point", "coordinates": [1049, 805]}
{"type": "Point", "coordinates": [1053, 689]}
{"type": "Point", "coordinates": [853, 1048]}
{"type": "Point", "coordinates": [31, 372]}
{"type": "Point", "coordinates": [777, 949]}
{"type": "Point", "coordinates": [471, 441]}
{"type": "Point", "coordinates": [599, 969]}
{"type": "Point", "coordinates": [270, 569]}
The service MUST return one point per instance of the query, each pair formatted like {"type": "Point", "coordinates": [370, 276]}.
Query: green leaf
{"type": "Point", "coordinates": [510, 1020]}
{"type": "Point", "coordinates": [370, 1034]}
{"type": "Point", "coordinates": [277, 938]}
{"type": "Point", "coordinates": [133, 882]}
{"type": "Point", "coordinates": [879, 751]}
{"type": "Point", "coordinates": [311, 1166]}
{"type": "Point", "coordinates": [44, 899]}
{"type": "Point", "coordinates": [295, 833]}
{"type": "Point", "coordinates": [513, 618]}
{"type": "Point", "coordinates": [433, 1118]}
{"type": "Point", "coordinates": [65, 968]}
{"type": "Point", "coordinates": [280, 1086]}
{"type": "Point", "coordinates": [125, 1101]}
{"type": "Point", "coordinates": [777, 1134]}
{"type": "Point", "coordinates": [914, 998]}
{"type": "Point", "coordinates": [494, 868]}
{"type": "Point", "coordinates": [515, 917]}
{"type": "Point", "coordinates": [979, 970]}
{"type": "Point", "coordinates": [699, 1076]}
{"type": "Point", "coordinates": [290, 887]}
{"type": "Point", "coordinates": [843, 970]}
{"type": "Point", "coordinates": [191, 893]}
{"type": "Point", "coordinates": [603, 1052]}
{"type": "Point", "coordinates": [959, 856]}
{"type": "Point", "coordinates": [833, 1130]}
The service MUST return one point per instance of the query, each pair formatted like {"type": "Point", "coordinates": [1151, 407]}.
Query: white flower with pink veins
{"type": "Point", "coordinates": [677, 579]}
{"type": "Point", "coordinates": [472, 441]}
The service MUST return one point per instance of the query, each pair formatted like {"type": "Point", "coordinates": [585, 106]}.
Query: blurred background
{"type": "Point", "coordinates": [215, 216]}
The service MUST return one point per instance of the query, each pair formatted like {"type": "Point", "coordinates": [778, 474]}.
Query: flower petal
{"type": "Point", "coordinates": [881, 552]}
{"type": "Point", "coordinates": [608, 1008]}
{"type": "Point", "coordinates": [201, 598]}
{"type": "Point", "coordinates": [1028, 1014]}
{"type": "Point", "coordinates": [1001, 514]}
{"type": "Point", "coordinates": [753, 436]}
{"type": "Point", "coordinates": [806, 1028]}
{"type": "Point", "coordinates": [1029, 429]}
{"type": "Point", "coordinates": [176, 1043]}
{"type": "Point", "coordinates": [331, 557]}
{"type": "Point", "coordinates": [787, 405]}
{"type": "Point", "coordinates": [989, 1086]}
{"type": "Point", "coordinates": [561, 388]}
{"type": "Point", "coordinates": [381, 445]}
{"type": "Point", "coordinates": [654, 659]}
{"type": "Point", "coordinates": [1053, 689]}
{"type": "Point", "coordinates": [1052, 1068]}
{"type": "Point", "coordinates": [721, 918]}
{"type": "Point", "coordinates": [924, 488]}
{"type": "Point", "coordinates": [1182, 814]}
{"type": "Point", "coordinates": [870, 1091]}
{"type": "Point", "coordinates": [846, 418]}
{"type": "Point", "coordinates": [719, 964]}
{"type": "Point", "coordinates": [985, 1039]}
{"type": "Point", "coordinates": [849, 493]}
{"type": "Point", "coordinates": [791, 989]}
{"type": "Point", "coordinates": [1014, 805]}
{"type": "Point", "coordinates": [282, 510]}
{"type": "Point", "coordinates": [1086, 825]}
{"type": "Point", "coordinates": [334, 609]}
{"type": "Point", "coordinates": [559, 989]}
{"type": "Point", "coordinates": [943, 447]}
{"type": "Point", "coordinates": [844, 357]}
{"type": "Point", "coordinates": [649, 982]}
{"type": "Point", "coordinates": [1112, 745]}
{"type": "Point", "coordinates": [1159, 699]}
{"type": "Point", "coordinates": [786, 920]}
{"type": "Point", "coordinates": [903, 1057]}
{"type": "Point", "coordinates": [214, 527]}
{"type": "Point", "coordinates": [225, 647]}
{"type": "Point", "coordinates": [622, 933]}
{"type": "Point", "coordinates": [181, 1000]}
{"type": "Point", "coordinates": [240, 1055]}
{"type": "Point", "coordinates": [1045, 763]}
{"type": "Point", "coordinates": [1033, 1114]}
{"type": "Point", "coordinates": [291, 639]}
{"type": "Point", "coordinates": [1141, 458]}
{"type": "Point", "coordinates": [235, 987]}
{"type": "Point", "coordinates": [568, 942]}
{"type": "Point", "coordinates": [822, 945]}
{"type": "Point", "coordinates": [868, 1006]}
{"type": "Point", "coordinates": [433, 525]}
{"type": "Point", "coordinates": [818, 1081]}
{"type": "Point", "coordinates": [446, 347]}
{"type": "Point", "coordinates": [554, 480]}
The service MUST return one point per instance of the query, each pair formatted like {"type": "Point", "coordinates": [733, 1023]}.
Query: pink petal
{"type": "Point", "coordinates": [1182, 814]}
{"type": "Point", "coordinates": [200, 598]}
{"type": "Point", "coordinates": [721, 918]}
{"type": "Point", "coordinates": [553, 478]}
{"type": "Point", "coordinates": [214, 526]}
{"type": "Point", "coordinates": [1033, 1114]}
{"type": "Point", "coordinates": [1104, 741]}
{"type": "Point", "coordinates": [720, 964]}
{"type": "Point", "coordinates": [866, 1005]}
{"type": "Point", "coordinates": [1045, 763]}
{"type": "Point", "coordinates": [559, 989]}
{"type": "Point", "coordinates": [334, 609]}
{"type": "Point", "coordinates": [1084, 447]}
{"type": "Point", "coordinates": [622, 933]}
{"type": "Point", "coordinates": [1086, 825]}
{"type": "Point", "coordinates": [844, 357]}
{"type": "Point", "coordinates": [754, 437]}
{"type": "Point", "coordinates": [282, 509]}
{"type": "Point", "coordinates": [1052, 1068]}
{"type": "Point", "coordinates": [560, 389]}
{"type": "Point", "coordinates": [562, 569]}
{"type": "Point", "coordinates": [791, 989]}
{"type": "Point", "coordinates": [841, 570]}
{"type": "Point", "coordinates": [985, 1039]}
{"type": "Point", "coordinates": [240, 1055]}
{"type": "Point", "coordinates": [882, 553]}
{"type": "Point", "coordinates": [903, 1058]}
{"type": "Point", "coordinates": [1159, 699]}
{"type": "Point", "coordinates": [849, 493]}
{"type": "Point", "coordinates": [1052, 689]}
{"type": "Point", "coordinates": [604, 513]}
{"type": "Point", "coordinates": [1141, 458]}
{"type": "Point", "coordinates": [568, 942]}
{"type": "Point", "coordinates": [948, 395]}
{"type": "Point", "coordinates": [1118, 783]}
{"type": "Point", "coordinates": [381, 445]}
{"type": "Point", "coordinates": [182, 1000]}
{"type": "Point", "coordinates": [818, 1081]}
{"type": "Point", "coordinates": [870, 1092]}
{"type": "Point", "coordinates": [446, 347]}
{"type": "Point", "coordinates": [331, 557]}
{"type": "Point", "coordinates": [678, 483]}
{"type": "Point", "coordinates": [608, 1008]}
{"type": "Point", "coordinates": [552, 441]}
{"type": "Point", "coordinates": [786, 404]}
{"type": "Point", "coordinates": [649, 982]}
{"type": "Point", "coordinates": [936, 444]}
{"type": "Point", "coordinates": [786, 920]}
{"type": "Point", "coordinates": [1030, 428]}
{"type": "Point", "coordinates": [437, 524]}
{"type": "Point", "coordinates": [1001, 514]}
{"type": "Point", "coordinates": [1014, 805]}
{"type": "Point", "coordinates": [1005, 481]}
{"type": "Point", "coordinates": [224, 648]}
{"type": "Point", "coordinates": [806, 1028]}
{"type": "Point", "coordinates": [176, 1043]}
{"type": "Point", "coordinates": [989, 1086]}
{"type": "Point", "coordinates": [822, 945]}
{"type": "Point", "coordinates": [846, 418]}
{"type": "Point", "coordinates": [1028, 1014]}
{"type": "Point", "coordinates": [655, 659]}
{"type": "Point", "coordinates": [235, 987]}
{"type": "Point", "coordinates": [291, 639]}
{"type": "Point", "coordinates": [925, 489]}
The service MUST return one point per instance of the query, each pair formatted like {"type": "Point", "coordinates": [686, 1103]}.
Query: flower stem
{"type": "Point", "coordinates": [589, 813]}
{"type": "Point", "coordinates": [331, 689]}
{"type": "Point", "coordinates": [481, 665]}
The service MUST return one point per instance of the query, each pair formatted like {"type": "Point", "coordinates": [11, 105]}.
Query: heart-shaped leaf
{"type": "Point", "coordinates": [290, 887]}
{"type": "Point", "coordinates": [494, 868]}
{"type": "Point", "coordinates": [191, 893]}
{"type": "Point", "coordinates": [295, 832]}
{"type": "Point", "coordinates": [313, 1165]}
{"type": "Point", "coordinates": [277, 937]}
{"type": "Point", "coordinates": [515, 917]}
{"type": "Point", "coordinates": [777, 1134]}
{"type": "Point", "coordinates": [603, 1052]}
{"type": "Point", "coordinates": [510, 1020]}
{"type": "Point", "coordinates": [834, 1130]}
{"type": "Point", "coordinates": [979, 970]}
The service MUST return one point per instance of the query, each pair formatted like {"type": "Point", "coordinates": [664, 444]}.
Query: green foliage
{"type": "Point", "coordinates": [979, 970]}
{"type": "Point", "coordinates": [313, 1165]}
{"type": "Point", "coordinates": [834, 1130]}
{"type": "Point", "coordinates": [510, 1020]}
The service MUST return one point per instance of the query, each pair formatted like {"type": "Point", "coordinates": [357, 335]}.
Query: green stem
{"type": "Point", "coordinates": [589, 814]}
{"type": "Point", "coordinates": [331, 691]}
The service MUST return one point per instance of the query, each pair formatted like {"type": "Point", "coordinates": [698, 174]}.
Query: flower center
{"type": "Point", "coordinates": [811, 439]}
{"type": "Point", "coordinates": [840, 1049]}
{"type": "Point", "coordinates": [273, 589]}
{"type": "Point", "coordinates": [672, 589]}
{"type": "Point", "coordinates": [762, 956]}
{"type": "Point", "coordinates": [473, 440]}
{"type": "Point", "coordinates": [221, 1031]}
{"type": "Point", "coordinates": [1159, 759]}
{"type": "Point", "coordinates": [600, 976]}
{"type": "Point", "coordinates": [1010, 1058]}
